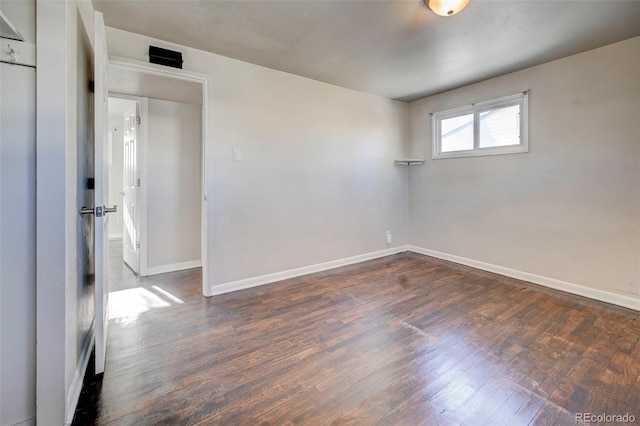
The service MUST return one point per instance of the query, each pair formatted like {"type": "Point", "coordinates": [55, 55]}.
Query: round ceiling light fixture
{"type": "Point", "coordinates": [446, 7]}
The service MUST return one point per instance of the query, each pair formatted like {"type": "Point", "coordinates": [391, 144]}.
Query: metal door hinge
{"type": "Point", "coordinates": [138, 120]}
{"type": "Point", "coordinates": [137, 244]}
{"type": "Point", "coordinates": [137, 182]}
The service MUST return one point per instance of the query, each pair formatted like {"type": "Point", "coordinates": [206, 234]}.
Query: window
{"type": "Point", "coordinates": [498, 126]}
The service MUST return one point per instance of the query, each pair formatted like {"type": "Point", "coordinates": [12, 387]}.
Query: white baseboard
{"type": "Point", "coordinates": [293, 273]}
{"type": "Point", "coordinates": [580, 290]}
{"type": "Point", "coordinates": [115, 237]}
{"type": "Point", "coordinates": [73, 395]}
{"type": "Point", "coordinates": [162, 269]}
{"type": "Point", "coordinates": [592, 293]}
{"type": "Point", "coordinates": [29, 422]}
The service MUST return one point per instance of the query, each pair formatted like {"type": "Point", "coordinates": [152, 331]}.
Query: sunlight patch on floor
{"type": "Point", "coordinates": [126, 305]}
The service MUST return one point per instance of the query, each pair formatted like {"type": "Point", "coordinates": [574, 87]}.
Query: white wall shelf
{"type": "Point", "coordinates": [410, 161]}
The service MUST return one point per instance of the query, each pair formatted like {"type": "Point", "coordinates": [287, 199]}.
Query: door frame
{"type": "Point", "coordinates": [178, 74]}
{"type": "Point", "coordinates": [141, 201]}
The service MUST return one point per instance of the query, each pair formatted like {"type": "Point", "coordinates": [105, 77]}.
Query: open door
{"type": "Point", "coordinates": [101, 193]}
{"type": "Point", "coordinates": [131, 212]}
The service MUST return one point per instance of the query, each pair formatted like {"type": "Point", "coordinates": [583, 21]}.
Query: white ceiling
{"type": "Point", "coordinates": [128, 82]}
{"type": "Point", "coordinates": [397, 49]}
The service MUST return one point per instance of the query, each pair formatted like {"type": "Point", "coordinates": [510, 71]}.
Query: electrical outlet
{"type": "Point", "coordinates": [389, 237]}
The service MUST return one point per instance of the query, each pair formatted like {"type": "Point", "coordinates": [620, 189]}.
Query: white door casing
{"type": "Point", "coordinates": [131, 212]}
{"type": "Point", "coordinates": [203, 80]}
{"type": "Point", "coordinates": [101, 193]}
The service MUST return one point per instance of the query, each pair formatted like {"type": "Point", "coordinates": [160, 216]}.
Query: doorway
{"type": "Point", "coordinates": [157, 170]}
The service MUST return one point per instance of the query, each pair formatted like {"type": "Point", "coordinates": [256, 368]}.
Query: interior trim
{"type": "Point", "coordinates": [580, 290]}
{"type": "Point", "coordinates": [297, 272]}
{"type": "Point", "coordinates": [75, 388]}
{"type": "Point", "coordinates": [161, 269]}
{"type": "Point", "coordinates": [622, 300]}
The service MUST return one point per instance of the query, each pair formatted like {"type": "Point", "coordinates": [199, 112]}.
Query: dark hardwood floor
{"type": "Point", "coordinates": [406, 339]}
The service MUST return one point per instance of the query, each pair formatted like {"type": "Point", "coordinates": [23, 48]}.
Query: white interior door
{"type": "Point", "coordinates": [131, 212]}
{"type": "Point", "coordinates": [101, 193]}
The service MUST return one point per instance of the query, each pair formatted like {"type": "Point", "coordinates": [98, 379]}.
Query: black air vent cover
{"type": "Point", "coordinates": [169, 58]}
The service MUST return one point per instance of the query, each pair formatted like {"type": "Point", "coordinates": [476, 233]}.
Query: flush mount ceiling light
{"type": "Point", "coordinates": [446, 7]}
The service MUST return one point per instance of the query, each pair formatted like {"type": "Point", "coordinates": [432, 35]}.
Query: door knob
{"type": "Point", "coordinates": [98, 211]}
{"type": "Point", "coordinates": [90, 210]}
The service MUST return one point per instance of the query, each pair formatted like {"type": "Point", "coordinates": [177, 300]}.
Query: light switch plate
{"type": "Point", "coordinates": [237, 154]}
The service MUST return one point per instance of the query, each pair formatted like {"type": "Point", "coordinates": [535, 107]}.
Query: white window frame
{"type": "Point", "coordinates": [476, 109]}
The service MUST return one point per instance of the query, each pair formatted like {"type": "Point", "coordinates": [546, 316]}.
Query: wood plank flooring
{"type": "Point", "coordinates": [406, 339]}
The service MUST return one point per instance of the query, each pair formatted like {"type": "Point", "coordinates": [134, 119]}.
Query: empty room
{"type": "Point", "coordinates": [305, 212]}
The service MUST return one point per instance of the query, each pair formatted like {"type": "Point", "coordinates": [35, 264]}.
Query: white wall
{"type": "Point", "coordinates": [174, 184]}
{"type": "Point", "coordinates": [570, 208]}
{"type": "Point", "coordinates": [17, 244]}
{"type": "Point", "coordinates": [317, 180]}
{"type": "Point", "coordinates": [17, 228]}
{"type": "Point", "coordinates": [116, 173]}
